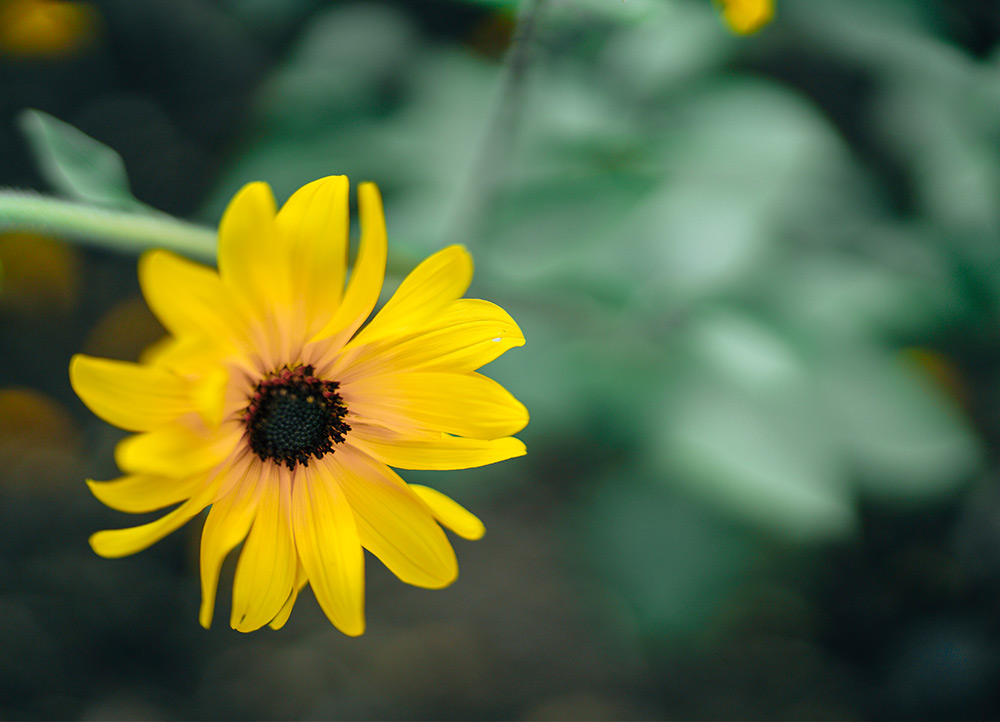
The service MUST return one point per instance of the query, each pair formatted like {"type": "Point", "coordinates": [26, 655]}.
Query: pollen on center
{"type": "Point", "coordinates": [293, 416]}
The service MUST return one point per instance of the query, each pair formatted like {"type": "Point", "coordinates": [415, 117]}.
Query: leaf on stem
{"type": "Point", "coordinates": [76, 165]}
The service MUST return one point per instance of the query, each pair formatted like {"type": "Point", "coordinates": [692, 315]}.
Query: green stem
{"type": "Point", "coordinates": [489, 168]}
{"type": "Point", "coordinates": [103, 228]}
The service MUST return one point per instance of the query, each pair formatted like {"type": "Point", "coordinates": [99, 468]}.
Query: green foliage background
{"type": "Point", "coordinates": [759, 278]}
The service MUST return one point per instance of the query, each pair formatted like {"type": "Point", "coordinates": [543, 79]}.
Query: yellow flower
{"type": "Point", "coordinates": [267, 403]}
{"type": "Point", "coordinates": [746, 16]}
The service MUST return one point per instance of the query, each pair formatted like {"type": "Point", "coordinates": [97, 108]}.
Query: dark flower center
{"type": "Point", "coordinates": [293, 415]}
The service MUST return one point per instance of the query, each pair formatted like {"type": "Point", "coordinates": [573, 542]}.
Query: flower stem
{"type": "Point", "coordinates": [490, 166]}
{"type": "Point", "coordinates": [103, 227]}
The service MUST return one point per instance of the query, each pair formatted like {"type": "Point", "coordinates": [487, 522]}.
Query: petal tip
{"type": "Point", "coordinates": [475, 533]}
{"type": "Point", "coordinates": [94, 487]}
{"type": "Point", "coordinates": [74, 370]}
{"type": "Point", "coordinates": [205, 618]}
{"type": "Point", "coordinates": [99, 543]}
{"type": "Point", "coordinates": [370, 203]}
{"type": "Point", "coordinates": [354, 630]}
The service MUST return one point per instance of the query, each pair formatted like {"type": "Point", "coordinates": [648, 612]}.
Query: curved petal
{"type": "Point", "coordinates": [314, 223]}
{"type": "Point", "coordinates": [227, 525]}
{"type": "Point", "coordinates": [175, 450]}
{"type": "Point", "coordinates": [393, 523]}
{"type": "Point", "coordinates": [300, 581]}
{"type": "Point", "coordinates": [450, 513]}
{"type": "Point", "coordinates": [265, 574]}
{"type": "Point", "coordinates": [115, 543]}
{"type": "Point", "coordinates": [129, 395]}
{"type": "Point", "coordinates": [463, 404]}
{"type": "Point", "coordinates": [429, 287]}
{"type": "Point", "coordinates": [326, 539]}
{"type": "Point", "coordinates": [190, 299]}
{"type": "Point", "coordinates": [436, 452]}
{"type": "Point", "coordinates": [140, 493]}
{"type": "Point", "coordinates": [467, 334]}
{"type": "Point", "coordinates": [246, 237]}
{"type": "Point", "coordinates": [365, 284]}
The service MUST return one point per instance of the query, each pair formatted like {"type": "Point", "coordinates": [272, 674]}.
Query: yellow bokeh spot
{"type": "Point", "coordinates": [40, 448]}
{"type": "Point", "coordinates": [45, 28]}
{"type": "Point", "coordinates": [124, 331]}
{"type": "Point", "coordinates": [28, 417]}
{"type": "Point", "coordinates": [40, 276]}
{"type": "Point", "coordinates": [746, 16]}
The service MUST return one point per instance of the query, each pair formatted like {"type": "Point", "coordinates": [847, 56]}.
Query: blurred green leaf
{"type": "Point", "coordinates": [573, 217]}
{"type": "Point", "coordinates": [268, 16]}
{"type": "Point", "coordinates": [499, 4]}
{"type": "Point", "coordinates": [76, 165]}
{"type": "Point", "coordinates": [322, 81]}
{"type": "Point", "coordinates": [677, 42]}
{"type": "Point", "coordinates": [906, 438]}
{"type": "Point", "coordinates": [855, 297]}
{"type": "Point", "coordinates": [743, 427]}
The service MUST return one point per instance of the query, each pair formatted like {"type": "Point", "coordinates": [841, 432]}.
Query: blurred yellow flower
{"type": "Point", "coordinates": [746, 16]}
{"type": "Point", "coordinates": [270, 403]}
{"type": "Point", "coordinates": [39, 442]}
{"type": "Point", "coordinates": [27, 415]}
{"type": "Point", "coordinates": [40, 275]}
{"type": "Point", "coordinates": [45, 28]}
{"type": "Point", "coordinates": [124, 331]}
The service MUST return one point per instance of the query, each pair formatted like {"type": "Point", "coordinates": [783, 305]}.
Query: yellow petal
{"type": "Point", "coordinates": [365, 284]}
{"type": "Point", "coordinates": [462, 404]}
{"type": "Point", "coordinates": [327, 542]}
{"type": "Point", "coordinates": [393, 523]}
{"type": "Point", "coordinates": [186, 356]}
{"type": "Point", "coordinates": [428, 288]}
{"type": "Point", "coordinates": [467, 334]}
{"type": "Point", "coordinates": [249, 262]}
{"type": "Point", "coordinates": [450, 513]}
{"type": "Point", "coordinates": [209, 395]}
{"type": "Point", "coordinates": [133, 396]}
{"type": "Point", "coordinates": [227, 525]}
{"type": "Point", "coordinates": [315, 223]}
{"type": "Point", "coordinates": [175, 450]}
{"type": "Point", "coordinates": [300, 581]}
{"type": "Point", "coordinates": [439, 453]}
{"type": "Point", "coordinates": [115, 543]}
{"type": "Point", "coordinates": [190, 299]}
{"type": "Point", "coordinates": [139, 493]}
{"type": "Point", "coordinates": [265, 574]}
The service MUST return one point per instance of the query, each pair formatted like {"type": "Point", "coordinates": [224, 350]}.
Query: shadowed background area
{"type": "Point", "coordinates": [759, 279]}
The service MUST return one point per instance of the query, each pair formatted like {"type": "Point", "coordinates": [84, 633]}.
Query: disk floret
{"type": "Point", "coordinates": [293, 415]}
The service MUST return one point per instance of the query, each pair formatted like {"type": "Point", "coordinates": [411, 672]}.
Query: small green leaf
{"type": "Point", "coordinates": [76, 165]}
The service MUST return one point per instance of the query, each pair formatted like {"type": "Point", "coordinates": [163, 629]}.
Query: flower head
{"type": "Point", "coordinates": [271, 403]}
{"type": "Point", "coordinates": [746, 16]}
